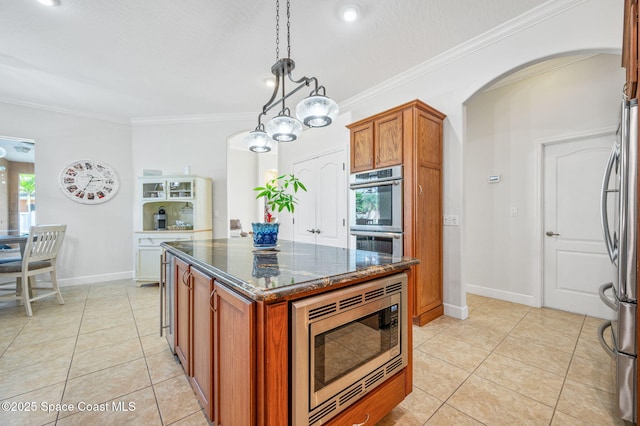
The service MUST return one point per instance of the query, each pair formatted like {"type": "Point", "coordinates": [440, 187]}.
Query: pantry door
{"type": "Point", "coordinates": [575, 258]}
{"type": "Point", "coordinates": [321, 215]}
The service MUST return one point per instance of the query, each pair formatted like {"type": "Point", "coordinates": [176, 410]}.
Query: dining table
{"type": "Point", "coordinates": [14, 237]}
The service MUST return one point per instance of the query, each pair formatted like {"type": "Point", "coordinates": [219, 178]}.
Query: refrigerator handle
{"type": "Point", "coordinates": [609, 350]}
{"type": "Point", "coordinates": [607, 301]}
{"type": "Point", "coordinates": [612, 250]}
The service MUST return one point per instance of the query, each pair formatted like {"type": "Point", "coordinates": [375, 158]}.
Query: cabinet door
{"type": "Point", "coordinates": [388, 140]}
{"type": "Point", "coordinates": [153, 189]}
{"type": "Point", "coordinates": [428, 279]}
{"type": "Point", "coordinates": [183, 283]}
{"type": "Point", "coordinates": [181, 189]}
{"type": "Point", "coordinates": [202, 342]}
{"type": "Point", "coordinates": [148, 263]}
{"type": "Point", "coordinates": [362, 148]}
{"type": "Point", "coordinates": [234, 358]}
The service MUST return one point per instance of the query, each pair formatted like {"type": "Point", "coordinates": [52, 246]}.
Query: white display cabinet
{"type": "Point", "coordinates": [186, 201]}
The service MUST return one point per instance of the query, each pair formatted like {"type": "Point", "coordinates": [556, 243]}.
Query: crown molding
{"type": "Point", "coordinates": [189, 119]}
{"type": "Point", "coordinates": [101, 117]}
{"type": "Point", "coordinates": [494, 35]}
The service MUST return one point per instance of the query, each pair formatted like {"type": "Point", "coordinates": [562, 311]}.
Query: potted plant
{"type": "Point", "coordinates": [279, 195]}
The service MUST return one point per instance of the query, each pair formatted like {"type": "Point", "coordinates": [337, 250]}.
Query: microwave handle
{"type": "Point", "coordinates": [395, 235]}
{"type": "Point", "coordinates": [373, 184]}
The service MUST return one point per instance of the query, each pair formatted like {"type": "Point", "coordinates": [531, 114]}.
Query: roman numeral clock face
{"type": "Point", "coordinates": [89, 181]}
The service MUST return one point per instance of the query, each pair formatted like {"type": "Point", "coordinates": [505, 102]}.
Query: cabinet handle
{"type": "Point", "coordinates": [214, 306]}
{"type": "Point", "coordinates": [187, 282]}
{"type": "Point", "coordinates": [363, 423]}
{"type": "Point", "coordinates": [311, 230]}
{"type": "Point", "coordinates": [317, 231]}
{"type": "Point", "coordinates": [419, 189]}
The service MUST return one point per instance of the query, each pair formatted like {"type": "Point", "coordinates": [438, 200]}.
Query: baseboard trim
{"type": "Point", "coordinates": [459, 312]}
{"type": "Point", "coordinates": [508, 296]}
{"type": "Point", "coordinates": [92, 279]}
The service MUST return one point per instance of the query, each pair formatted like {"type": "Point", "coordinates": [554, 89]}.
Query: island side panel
{"type": "Point", "coordinates": [273, 363]}
{"type": "Point", "coordinates": [408, 318]}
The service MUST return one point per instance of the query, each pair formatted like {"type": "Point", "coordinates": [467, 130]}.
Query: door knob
{"type": "Point", "coordinates": [551, 234]}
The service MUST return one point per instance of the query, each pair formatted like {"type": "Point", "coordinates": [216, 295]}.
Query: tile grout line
{"type": "Point", "coordinates": [153, 389]}
{"type": "Point", "coordinates": [66, 381]}
{"type": "Point", "coordinates": [483, 361]}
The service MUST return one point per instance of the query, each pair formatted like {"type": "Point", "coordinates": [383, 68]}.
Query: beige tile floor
{"type": "Point", "coordinates": [101, 355]}
{"type": "Point", "coordinates": [508, 364]}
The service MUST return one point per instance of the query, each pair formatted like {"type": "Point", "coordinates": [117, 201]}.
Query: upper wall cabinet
{"type": "Point", "coordinates": [376, 142]}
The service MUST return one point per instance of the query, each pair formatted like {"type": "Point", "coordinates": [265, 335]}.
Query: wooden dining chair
{"type": "Point", "coordinates": [40, 254]}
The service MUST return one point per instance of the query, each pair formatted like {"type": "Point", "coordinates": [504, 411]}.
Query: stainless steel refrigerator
{"type": "Point", "coordinates": [619, 208]}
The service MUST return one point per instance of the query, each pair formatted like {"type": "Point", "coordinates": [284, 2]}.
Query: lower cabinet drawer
{"type": "Point", "coordinates": [374, 406]}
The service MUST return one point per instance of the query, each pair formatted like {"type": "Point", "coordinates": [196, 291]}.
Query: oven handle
{"type": "Point", "coordinates": [396, 235]}
{"type": "Point", "coordinates": [376, 183]}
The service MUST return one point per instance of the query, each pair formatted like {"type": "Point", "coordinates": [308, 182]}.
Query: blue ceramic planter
{"type": "Point", "coordinates": [265, 234]}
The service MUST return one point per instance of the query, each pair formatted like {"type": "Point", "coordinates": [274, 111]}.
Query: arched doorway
{"type": "Point", "coordinates": [508, 124]}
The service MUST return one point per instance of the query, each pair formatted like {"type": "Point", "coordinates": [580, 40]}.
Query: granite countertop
{"type": "Point", "coordinates": [291, 269]}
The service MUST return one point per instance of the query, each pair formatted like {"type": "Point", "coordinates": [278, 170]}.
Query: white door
{"type": "Point", "coordinates": [304, 216]}
{"type": "Point", "coordinates": [575, 258]}
{"type": "Point", "coordinates": [321, 215]}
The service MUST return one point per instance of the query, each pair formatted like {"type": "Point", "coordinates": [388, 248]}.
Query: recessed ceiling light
{"type": "Point", "coordinates": [350, 13]}
{"type": "Point", "coordinates": [50, 2]}
{"type": "Point", "coordinates": [270, 82]}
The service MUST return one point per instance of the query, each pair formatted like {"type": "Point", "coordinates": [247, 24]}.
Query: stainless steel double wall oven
{"type": "Point", "coordinates": [376, 210]}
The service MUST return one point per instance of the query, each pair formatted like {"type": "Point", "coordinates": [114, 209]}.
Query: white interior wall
{"type": "Point", "coordinates": [242, 175]}
{"type": "Point", "coordinates": [98, 243]}
{"type": "Point", "coordinates": [504, 127]}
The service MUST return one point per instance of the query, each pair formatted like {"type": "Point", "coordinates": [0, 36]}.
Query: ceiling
{"type": "Point", "coordinates": [127, 59]}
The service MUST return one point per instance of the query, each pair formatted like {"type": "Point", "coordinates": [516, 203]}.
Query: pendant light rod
{"type": "Point", "coordinates": [286, 65]}
{"type": "Point", "coordinates": [316, 110]}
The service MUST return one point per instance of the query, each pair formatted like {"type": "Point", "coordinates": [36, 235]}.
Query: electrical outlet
{"type": "Point", "coordinates": [450, 220]}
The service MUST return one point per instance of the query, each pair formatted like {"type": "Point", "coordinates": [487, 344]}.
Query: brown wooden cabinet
{"type": "Point", "coordinates": [376, 142]}
{"type": "Point", "coordinates": [215, 343]}
{"type": "Point", "coordinates": [411, 134]}
{"type": "Point", "coordinates": [234, 364]}
{"type": "Point", "coordinates": [201, 338]}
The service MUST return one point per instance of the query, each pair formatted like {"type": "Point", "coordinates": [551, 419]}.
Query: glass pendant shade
{"type": "Point", "coordinates": [283, 128]}
{"type": "Point", "coordinates": [317, 111]}
{"type": "Point", "coordinates": [259, 141]}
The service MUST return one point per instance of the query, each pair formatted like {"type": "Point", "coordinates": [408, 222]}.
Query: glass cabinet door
{"type": "Point", "coordinates": [181, 189]}
{"type": "Point", "coordinates": [153, 190]}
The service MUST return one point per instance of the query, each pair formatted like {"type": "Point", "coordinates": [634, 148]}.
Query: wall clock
{"type": "Point", "coordinates": [89, 181]}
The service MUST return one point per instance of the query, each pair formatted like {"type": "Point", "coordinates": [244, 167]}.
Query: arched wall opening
{"type": "Point", "coordinates": [505, 122]}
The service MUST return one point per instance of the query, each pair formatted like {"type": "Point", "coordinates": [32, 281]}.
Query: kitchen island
{"type": "Point", "coordinates": [230, 319]}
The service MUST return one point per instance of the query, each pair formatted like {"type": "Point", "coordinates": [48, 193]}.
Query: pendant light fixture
{"type": "Point", "coordinates": [317, 110]}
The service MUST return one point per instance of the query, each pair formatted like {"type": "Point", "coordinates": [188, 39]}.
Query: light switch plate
{"type": "Point", "coordinates": [450, 220]}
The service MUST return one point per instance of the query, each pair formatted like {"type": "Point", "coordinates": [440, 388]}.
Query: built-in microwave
{"type": "Point", "coordinates": [344, 344]}
{"type": "Point", "coordinates": [376, 203]}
